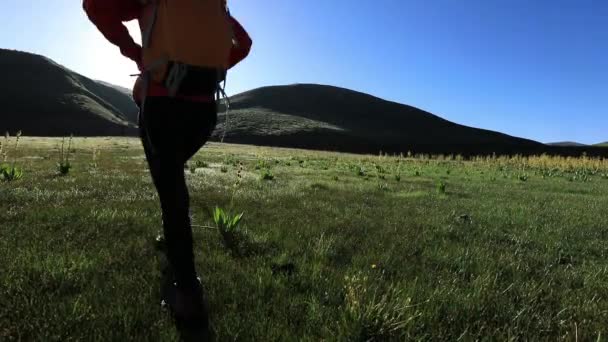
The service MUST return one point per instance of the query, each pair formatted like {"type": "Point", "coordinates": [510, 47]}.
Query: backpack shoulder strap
{"type": "Point", "coordinates": [147, 32]}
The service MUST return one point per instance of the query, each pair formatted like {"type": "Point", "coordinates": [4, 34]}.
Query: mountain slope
{"type": "Point", "coordinates": [41, 97]}
{"type": "Point", "coordinates": [326, 117]}
{"type": "Point", "coordinates": [567, 144]}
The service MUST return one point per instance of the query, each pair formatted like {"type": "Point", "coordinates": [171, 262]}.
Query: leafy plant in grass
{"type": "Point", "coordinates": [93, 163]}
{"type": "Point", "coordinates": [224, 169]}
{"type": "Point", "coordinates": [380, 169]}
{"type": "Point", "coordinates": [266, 175]}
{"type": "Point", "coordinates": [64, 166]}
{"type": "Point", "coordinates": [261, 164]}
{"type": "Point", "coordinates": [398, 170]}
{"type": "Point", "coordinates": [361, 171]}
{"type": "Point", "coordinates": [201, 164]}
{"type": "Point", "coordinates": [230, 160]}
{"type": "Point", "coordinates": [581, 176]}
{"type": "Point", "coordinates": [9, 173]}
{"type": "Point", "coordinates": [441, 186]}
{"type": "Point", "coordinates": [198, 164]}
{"type": "Point", "coordinates": [228, 226]}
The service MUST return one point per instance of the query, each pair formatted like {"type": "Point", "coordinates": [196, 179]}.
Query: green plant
{"type": "Point", "coordinates": [93, 163]}
{"type": "Point", "coordinates": [523, 177]}
{"type": "Point", "coordinates": [224, 169]}
{"type": "Point", "coordinates": [64, 166]}
{"type": "Point", "coordinates": [201, 164]}
{"type": "Point", "coordinates": [9, 173]}
{"type": "Point", "coordinates": [441, 187]}
{"type": "Point", "coordinates": [228, 226]}
{"type": "Point", "coordinates": [398, 171]}
{"type": "Point", "coordinates": [361, 171]}
{"type": "Point", "coordinates": [261, 164]}
{"type": "Point", "coordinates": [266, 175]}
{"type": "Point", "coordinates": [230, 160]}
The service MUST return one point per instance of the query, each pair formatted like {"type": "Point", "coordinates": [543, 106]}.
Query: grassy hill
{"type": "Point", "coordinates": [42, 97]}
{"type": "Point", "coordinates": [331, 118]}
{"type": "Point", "coordinates": [604, 144]}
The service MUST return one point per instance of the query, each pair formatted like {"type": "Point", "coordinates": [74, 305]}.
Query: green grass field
{"type": "Point", "coordinates": [334, 247]}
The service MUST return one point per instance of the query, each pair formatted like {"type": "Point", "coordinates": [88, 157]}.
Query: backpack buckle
{"type": "Point", "coordinates": [175, 76]}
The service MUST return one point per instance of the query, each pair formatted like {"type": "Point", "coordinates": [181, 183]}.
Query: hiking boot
{"type": "Point", "coordinates": [187, 305]}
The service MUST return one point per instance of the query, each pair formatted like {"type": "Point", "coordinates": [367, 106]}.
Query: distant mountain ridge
{"type": "Point", "coordinates": [566, 143]}
{"type": "Point", "coordinates": [43, 98]}
{"type": "Point", "coordinates": [328, 117]}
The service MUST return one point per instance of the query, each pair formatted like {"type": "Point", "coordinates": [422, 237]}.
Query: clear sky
{"type": "Point", "coordinates": [531, 68]}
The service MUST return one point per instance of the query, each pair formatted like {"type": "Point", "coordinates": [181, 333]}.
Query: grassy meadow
{"type": "Point", "coordinates": [331, 247]}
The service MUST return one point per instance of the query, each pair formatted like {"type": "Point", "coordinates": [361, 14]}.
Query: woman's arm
{"type": "Point", "coordinates": [108, 16]}
{"type": "Point", "coordinates": [243, 43]}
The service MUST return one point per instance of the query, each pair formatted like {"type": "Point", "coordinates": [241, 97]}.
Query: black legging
{"type": "Point", "coordinates": [172, 131]}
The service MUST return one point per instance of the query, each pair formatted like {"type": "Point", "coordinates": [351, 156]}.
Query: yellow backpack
{"type": "Point", "coordinates": [186, 44]}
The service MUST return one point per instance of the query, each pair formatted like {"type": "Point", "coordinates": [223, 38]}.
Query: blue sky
{"type": "Point", "coordinates": [536, 69]}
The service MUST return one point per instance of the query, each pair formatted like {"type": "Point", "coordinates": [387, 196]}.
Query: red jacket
{"type": "Point", "coordinates": [109, 15]}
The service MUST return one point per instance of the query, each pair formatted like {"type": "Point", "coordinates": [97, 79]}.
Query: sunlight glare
{"type": "Point", "coordinates": [105, 61]}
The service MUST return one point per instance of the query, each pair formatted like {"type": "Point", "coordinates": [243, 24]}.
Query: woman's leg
{"type": "Point", "coordinates": [198, 126]}
{"type": "Point", "coordinates": [176, 130]}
